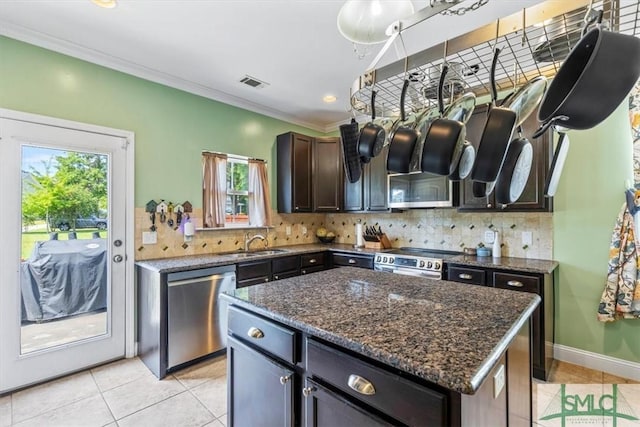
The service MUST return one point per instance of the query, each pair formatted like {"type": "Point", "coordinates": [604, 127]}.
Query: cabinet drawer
{"type": "Point", "coordinates": [286, 275]}
{"type": "Point", "coordinates": [288, 263]}
{"type": "Point", "coordinates": [251, 282]}
{"type": "Point", "coordinates": [309, 270]}
{"type": "Point", "coordinates": [397, 397]}
{"type": "Point", "coordinates": [312, 260]}
{"type": "Point", "coordinates": [353, 260]}
{"type": "Point", "coordinates": [250, 270]}
{"type": "Point", "coordinates": [262, 333]}
{"type": "Point", "coordinates": [467, 275]}
{"type": "Point", "coordinates": [516, 282]}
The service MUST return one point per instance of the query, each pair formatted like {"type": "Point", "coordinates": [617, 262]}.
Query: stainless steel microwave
{"type": "Point", "coordinates": [421, 190]}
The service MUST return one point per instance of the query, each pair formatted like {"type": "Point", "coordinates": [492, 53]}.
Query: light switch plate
{"type": "Point", "coordinates": [489, 236]}
{"type": "Point", "coordinates": [288, 230]}
{"type": "Point", "coordinates": [498, 381]}
{"type": "Point", "coordinates": [527, 238]}
{"type": "Point", "coordinates": [304, 230]}
{"type": "Point", "coordinates": [149, 237]}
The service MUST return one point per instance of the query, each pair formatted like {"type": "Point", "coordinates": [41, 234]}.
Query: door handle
{"type": "Point", "coordinates": [361, 385]}
{"type": "Point", "coordinates": [254, 332]}
{"type": "Point", "coordinates": [515, 283]}
{"type": "Point", "coordinates": [352, 261]}
{"type": "Point", "coordinates": [118, 258]}
{"type": "Point", "coordinates": [465, 276]}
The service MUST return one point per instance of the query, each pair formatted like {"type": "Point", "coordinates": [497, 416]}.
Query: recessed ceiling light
{"type": "Point", "coordinates": [107, 4]}
{"type": "Point", "coordinates": [329, 99]}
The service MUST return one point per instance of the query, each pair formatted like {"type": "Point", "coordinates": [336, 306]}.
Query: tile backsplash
{"type": "Point", "coordinates": [431, 228]}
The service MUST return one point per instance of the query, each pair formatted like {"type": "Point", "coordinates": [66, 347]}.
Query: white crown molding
{"type": "Point", "coordinates": [331, 127]}
{"type": "Point", "coordinates": [599, 362]}
{"type": "Point", "coordinates": [66, 47]}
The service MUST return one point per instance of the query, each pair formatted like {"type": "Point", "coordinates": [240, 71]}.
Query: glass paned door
{"type": "Point", "coordinates": [62, 280]}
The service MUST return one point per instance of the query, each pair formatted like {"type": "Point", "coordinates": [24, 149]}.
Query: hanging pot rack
{"type": "Point", "coordinates": [558, 23]}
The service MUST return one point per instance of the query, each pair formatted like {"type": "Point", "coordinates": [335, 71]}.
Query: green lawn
{"type": "Point", "coordinates": [29, 238]}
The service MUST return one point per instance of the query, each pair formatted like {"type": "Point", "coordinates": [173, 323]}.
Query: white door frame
{"type": "Point", "coordinates": [130, 326]}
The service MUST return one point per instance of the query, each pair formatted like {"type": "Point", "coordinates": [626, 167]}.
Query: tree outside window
{"type": "Point", "coordinates": [237, 206]}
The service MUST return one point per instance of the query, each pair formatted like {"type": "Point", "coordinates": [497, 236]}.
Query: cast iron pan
{"type": "Point", "coordinates": [596, 77]}
{"type": "Point", "coordinates": [403, 142]}
{"type": "Point", "coordinates": [372, 136]}
{"type": "Point", "coordinates": [444, 142]}
{"type": "Point", "coordinates": [352, 166]}
{"type": "Point", "coordinates": [515, 171]}
{"type": "Point", "coordinates": [497, 133]}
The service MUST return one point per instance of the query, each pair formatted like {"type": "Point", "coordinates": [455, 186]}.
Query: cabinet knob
{"type": "Point", "coordinates": [276, 277]}
{"type": "Point", "coordinates": [312, 261]}
{"type": "Point", "coordinates": [285, 379]}
{"type": "Point", "coordinates": [361, 385]}
{"type": "Point", "coordinates": [307, 391]}
{"type": "Point", "coordinates": [266, 279]}
{"type": "Point", "coordinates": [297, 208]}
{"type": "Point", "coordinates": [515, 283]}
{"type": "Point", "coordinates": [465, 276]}
{"type": "Point", "coordinates": [254, 332]}
{"type": "Point", "coordinates": [352, 261]}
{"type": "Point", "coordinates": [304, 271]}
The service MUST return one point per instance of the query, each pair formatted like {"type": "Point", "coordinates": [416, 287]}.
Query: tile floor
{"type": "Point", "coordinates": [125, 393]}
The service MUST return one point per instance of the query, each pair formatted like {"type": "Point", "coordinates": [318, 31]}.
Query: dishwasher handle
{"type": "Point", "coordinates": [214, 278]}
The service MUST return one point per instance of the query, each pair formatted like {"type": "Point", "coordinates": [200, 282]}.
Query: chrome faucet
{"type": "Point", "coordinates": [248, 240]}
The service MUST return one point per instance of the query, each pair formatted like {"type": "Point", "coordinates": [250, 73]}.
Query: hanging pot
{"type": "Point", "coordinates": [557, 164]}
{"type": "Point", "coordinates": [462, 110]}
{"type": "Point", "coordinates": [515, 171]}
{"type": "Point", "coordinates": [372, 135]}
{"type": "Point", "coordinates": [596, 77]}
{"type": "Point", "coordinates": [403, 141]}
{"type": "Point", "coordinates": [495, 138]}
{"type": "Point", "coordinates": [352, 166]}
{"type": "Point", "coordinates": [444, 142]}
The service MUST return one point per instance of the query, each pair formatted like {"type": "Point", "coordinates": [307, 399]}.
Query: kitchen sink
{"type": "Point", "coordinates": [255, 253]}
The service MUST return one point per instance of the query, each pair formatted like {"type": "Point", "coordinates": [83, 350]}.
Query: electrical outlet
{"type": "Point", "coordinates": [498, 382]}
{"type": "Point", "coordinates": [149, 237]}
{"type": "Point", "coordinates": [489, 236]}
{"type": "Point", "coordinates": [304, 230]}
{"type": "Point", "coordinates": [288, 230]}
{"type": "Point", "coordinates": [527, 238]}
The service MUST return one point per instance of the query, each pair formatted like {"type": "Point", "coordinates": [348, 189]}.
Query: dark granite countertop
{"type": "Point", "coordinates": [505, 263]}
{"type": "Point", "coordinates": [448, 333]}
{"type": "Point", "coordinates": [171, 265]}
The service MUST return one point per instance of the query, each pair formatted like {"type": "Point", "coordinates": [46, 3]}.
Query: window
{"type": "Point", "coordinates": [237, 203]}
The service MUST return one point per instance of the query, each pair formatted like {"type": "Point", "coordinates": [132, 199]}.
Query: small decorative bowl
{"type": "Point", "coordinates": [483, 251]}
{"type": "Point", "coordinates": [325, 239]}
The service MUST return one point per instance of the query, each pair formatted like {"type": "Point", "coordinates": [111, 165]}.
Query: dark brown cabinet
{"type": "Point", "coordinates": [314, 262]}
{"type": "Point", "coordinates": [542, 320]}
{"type": "Point", "coordinates": [285, 267]}
{"type": "Point", "coordinates": [253, 273]}
{"type": "Point", "coordinates": [532, 198]}
{"type": "Point", "coordinates": [352, 260]}
{"type": "Point", "coordinates": [327, 175]}
{"type": "Point", "coordinates": [310, 173]}
{"type": "Point", "coordinates": [369, 194]}
{"type": "Point", "coordinates": [295, 167]}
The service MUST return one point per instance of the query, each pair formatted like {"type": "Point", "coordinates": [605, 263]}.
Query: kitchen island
{"type": "Point", "coordinates": [356, 347]}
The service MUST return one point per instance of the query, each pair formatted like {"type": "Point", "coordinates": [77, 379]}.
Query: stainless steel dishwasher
{"type": "Point", "coordinates": [197, 317]}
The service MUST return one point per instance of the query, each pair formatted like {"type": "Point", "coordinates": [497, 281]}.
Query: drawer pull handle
{"type": "Point", "coordinates": [285, 379]}
{"type": "Point", "coordinates": [266, 279]}
{"type": "Point", "coordinates": [276, 277]}
{"type": "Point", "coordinates": [312, 261]}
{"type": "Point", "coordinates": [307, 391]}
{"type": "Point", "coordinates": [361, 385]}
{"type": "Point", "coordinates": [352, 261]}
{"type": "Point", "coordinates": [465, 276]}
{"type": "Point", "coordinates": [304, 271]}
{"type": "Point", "coordinates": [515, 283]}
{"type": "Point", "coordinates": [255, 333]}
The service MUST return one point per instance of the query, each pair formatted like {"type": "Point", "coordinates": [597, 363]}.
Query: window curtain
{"type": "Point", "coordinates": [259, 200]}
{"type": "Point", "coordinates": [214, 189]}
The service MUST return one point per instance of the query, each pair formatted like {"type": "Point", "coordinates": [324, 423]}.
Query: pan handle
{"type": "Point", "coordinates": [546, 125]}
{"type": "Point", "coordinates": [373, 105]}
{"type": "Point", "coordinates": [492, 76]}
{"type": "Point", "coordinates": [443, 76]}
{"type": "Point", "coordinates": [403, 95]}
{"type": "Point", "coordinates": [596, 18]}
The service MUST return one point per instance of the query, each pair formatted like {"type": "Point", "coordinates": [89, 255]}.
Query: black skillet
{"type": "Point", "coordinates": [403, 141]}
{"type": "Point", "coordinates": [445, 139]}
{"type": "Point", "coordinates": [352, 166]}
{"type": "Point", "coordinates": [496, 136]}
{"type": "Point", "coordinates": [372, 135]}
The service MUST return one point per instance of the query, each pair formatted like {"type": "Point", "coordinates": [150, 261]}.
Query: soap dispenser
{"type": "Point", "coordinates": [497, 245]}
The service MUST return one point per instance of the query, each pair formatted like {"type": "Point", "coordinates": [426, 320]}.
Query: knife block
{"type": "Point", "coordinates": [383, 243]}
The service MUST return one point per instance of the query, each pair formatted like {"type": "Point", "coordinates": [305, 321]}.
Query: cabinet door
{"type": "Point", "coordinates": [302, 169]}
{"type": "Point", "coordinates": [353, 195]}
{"type": "Point", "coordinates": [376, 183]}
{"type": "Point", "coordinates": [327, 409]}
{"type": "Point", "coordinates": [260, 390]}
{"type": "Point", "coordinates": [327, 175]}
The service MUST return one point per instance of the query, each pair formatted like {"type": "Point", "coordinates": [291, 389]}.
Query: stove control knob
{"type": "Point", "coordinates": [384, 259]}
{"type": "Point", "coordinates": [391, 260]}
{"type": "Point", "coordinates": [429, 264]}
{"type": "Point", "coordinates": [437, 266]}
{"type": "Point", "coordinates": [421, 264]}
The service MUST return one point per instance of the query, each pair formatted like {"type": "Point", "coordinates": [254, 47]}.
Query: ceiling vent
{"type": "Point", "coordinates": [253, 82]}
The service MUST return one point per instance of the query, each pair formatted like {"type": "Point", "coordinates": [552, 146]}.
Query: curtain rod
{"type": "Point", "coordinates": [234, 156]}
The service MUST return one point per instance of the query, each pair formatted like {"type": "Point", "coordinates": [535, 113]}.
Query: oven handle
{"type": "Point", "coordinates": [417, 273]}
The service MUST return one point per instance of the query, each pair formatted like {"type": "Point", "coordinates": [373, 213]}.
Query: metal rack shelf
{"type": "Point", "coordinates": [524, 56]}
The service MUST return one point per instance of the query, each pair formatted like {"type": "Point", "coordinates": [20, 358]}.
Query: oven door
{"type": "Point", "coordinates": [411, 272]}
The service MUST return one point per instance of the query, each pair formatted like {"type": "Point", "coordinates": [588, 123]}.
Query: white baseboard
{"type": "Point", "coordinates": [599, 362]}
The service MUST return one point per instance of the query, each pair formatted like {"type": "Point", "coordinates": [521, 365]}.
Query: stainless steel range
{"type": "Point", "coordinates": [420, 262]}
